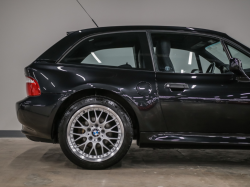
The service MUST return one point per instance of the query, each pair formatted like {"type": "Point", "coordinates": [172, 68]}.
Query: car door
{"type": "Point", "coordinates": [197, 91]}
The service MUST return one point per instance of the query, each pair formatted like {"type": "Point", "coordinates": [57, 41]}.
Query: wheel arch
{"type": "Point", "coordinates": [94, 92]}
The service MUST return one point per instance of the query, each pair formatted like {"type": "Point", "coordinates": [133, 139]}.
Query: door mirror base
{"type": "Point", "coordinates": [235, 66]}
{"type": "Point", "coordinates": [242, 79]}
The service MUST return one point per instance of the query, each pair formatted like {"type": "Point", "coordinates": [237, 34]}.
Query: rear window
{"type": "Point", "coordinates": [56, 51]}
{"type": "Point", "coordinates": [123, 50]}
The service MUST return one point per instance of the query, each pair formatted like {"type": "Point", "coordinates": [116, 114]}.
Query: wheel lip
{"type": "Point", "coordinates": [71, 146]}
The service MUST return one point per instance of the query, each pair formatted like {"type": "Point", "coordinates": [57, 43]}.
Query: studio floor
{"type": "Point", "coordinates": [27, 163]}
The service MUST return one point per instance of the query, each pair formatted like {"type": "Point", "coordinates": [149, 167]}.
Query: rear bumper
{"type": "Point", "coordinates": [36, 114]}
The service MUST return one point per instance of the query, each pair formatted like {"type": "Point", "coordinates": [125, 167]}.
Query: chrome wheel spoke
{"type": "Point", "coordinates": [78, 138]}
{"type": "Point", "coordinates": [102, 148]}
{"type": "Point", "coordinates": [100, 115]}
{"type": "Point", "coordinates": [75, 127]}
{"type": "Point", "coordinates": [85, 146]}
{"type": "Point", "coordinates": [94, 146]}
{"type": "Point", "coordinates": [91, 149]}
{"type": "Point", "coordinates": [80, 123]}
{"type": "Point", "coordinates": [110, 142]}
{"type": "Point", "coordinates": [95, 114]}
{"type": "Point", "coordinates": [109, 121]}
{"type": "Point", "coordinates": [106, 147]}
{"type": "Point", "coordinates": [77, 134]}
{"type": "Point", "coordinates": [88, 116]}
{"type": "Point", "coordinates": [112, 131]}
{"type": "Point", "coordinates": [85, 118]}
{"type": "Point", "coordinates": [113, 126]}
{"type": "Point", "coordinates": [106, 118]}
{"type": "Point", "coordinates": [80, 145]}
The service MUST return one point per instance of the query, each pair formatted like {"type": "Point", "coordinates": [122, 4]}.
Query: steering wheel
{"type": "Point", "coordinates": [210, 68]}
{"type": "Point", "coordinates": [194, 70]}
{"type": "Point", "coordinates": [225, 68]}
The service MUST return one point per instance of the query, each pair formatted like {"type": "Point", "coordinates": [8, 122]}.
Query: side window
{"type": "Point", "coordinates": [182, 53]}
{"type": "Point", "coordinates": [244, 59]}
{"type": "Point", "coordinates": [205, 65]}
{"type": "Point", "coordinates": [178, 56]}
{"type": "Point", "coordinates": [123, 50]}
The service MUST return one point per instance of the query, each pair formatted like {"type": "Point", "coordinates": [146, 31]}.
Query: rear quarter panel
{"type": "Point", "coordinates": [69, 79]}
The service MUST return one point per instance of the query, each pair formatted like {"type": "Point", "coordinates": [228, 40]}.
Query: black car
{"type": "Point", "coordinates": [167, 87]}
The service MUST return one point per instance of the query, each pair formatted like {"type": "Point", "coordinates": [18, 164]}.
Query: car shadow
{"type": "Point", "coordinates": [43, 156]}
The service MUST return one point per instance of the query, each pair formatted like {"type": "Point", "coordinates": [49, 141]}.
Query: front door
{"type": "Point", "coordinates": [197, 91]}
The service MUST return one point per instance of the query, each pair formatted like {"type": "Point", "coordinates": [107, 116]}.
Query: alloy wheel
{"type": "Point", "coordinates": [95, 133]}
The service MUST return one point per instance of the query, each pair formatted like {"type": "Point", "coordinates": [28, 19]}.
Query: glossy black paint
{"type": "Point", "coordinates": [67, 80]}
{"type": "Point", "coordinates": [195, 140]}
{"type": "Point", "coordinates": [214, 103]}
{"type": "Point", "coordinates": [217, 104]}
{"type": "Point", "coordinates": [144, 88]}
{"type": "Point", "coordinates": [37, 114]}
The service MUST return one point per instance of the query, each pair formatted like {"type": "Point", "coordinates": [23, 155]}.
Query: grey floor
{"type": "Point", "coordinates": [27, 163]}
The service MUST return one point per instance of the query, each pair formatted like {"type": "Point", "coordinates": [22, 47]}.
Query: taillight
{"type": "Point", "coordinates": [32, 87]}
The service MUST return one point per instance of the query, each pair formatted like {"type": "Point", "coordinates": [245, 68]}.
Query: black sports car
{"type": "Point", "coordinates": [167, 87]}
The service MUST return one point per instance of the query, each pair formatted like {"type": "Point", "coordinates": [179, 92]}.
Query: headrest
{"type": "Point", "coordinates": [163, 47]}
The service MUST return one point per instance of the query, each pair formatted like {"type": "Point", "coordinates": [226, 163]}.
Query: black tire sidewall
{"type": "Point", "coordinates": [128, 132]}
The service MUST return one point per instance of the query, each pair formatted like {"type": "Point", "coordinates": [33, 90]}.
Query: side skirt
{"type": "Point", "coordinates": [191, 140]}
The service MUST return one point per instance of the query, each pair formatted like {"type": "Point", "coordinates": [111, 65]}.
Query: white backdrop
{"type": "Point", "coordinates": [29, 27]}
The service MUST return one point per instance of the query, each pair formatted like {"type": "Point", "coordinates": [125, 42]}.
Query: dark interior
{"type": "Point", "coordinates": [196, 44]}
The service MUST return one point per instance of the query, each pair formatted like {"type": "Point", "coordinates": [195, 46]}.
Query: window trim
{"type": "Point", "coordinates": [229, 56]}
{"type": "Point", "coordinates": [100, 34]}
{"type": "Point", "coordinates": [222, 40]}
{"type": "Point", "coordinates": [226, 45]}
{"type": "Point", "coordinates": [149, 41]}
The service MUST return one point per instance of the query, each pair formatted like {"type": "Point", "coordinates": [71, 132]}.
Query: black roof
{"type": "Point", "coordinates": [145, 27]}
{"type": "Point", "coordinates": [54, 53]}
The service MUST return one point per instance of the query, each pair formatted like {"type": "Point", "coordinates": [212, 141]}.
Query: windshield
{"type": "Point", "coordinates": [217, 51]}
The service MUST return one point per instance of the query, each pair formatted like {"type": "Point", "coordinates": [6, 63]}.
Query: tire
{"type": "Point", "coordinates": [95, 133]}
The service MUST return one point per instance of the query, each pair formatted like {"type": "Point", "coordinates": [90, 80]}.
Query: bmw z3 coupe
{"type": "Point", "coordinates": [97, 89]}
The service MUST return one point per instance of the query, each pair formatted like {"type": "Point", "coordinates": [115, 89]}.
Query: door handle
{"type": "Point", "coordinates": [176, 86]}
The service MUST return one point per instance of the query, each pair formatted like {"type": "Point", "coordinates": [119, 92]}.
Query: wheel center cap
{"type": "Point", "coordinates": [96, 132]}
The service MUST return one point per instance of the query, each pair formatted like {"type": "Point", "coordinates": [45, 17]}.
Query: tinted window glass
{"type": "Point", "coordinates": [217, 51]}
{"type": "Point", "coordinates": [182, 53]}
{"type": "Point", "coordinates": [124, 50]}
{"type": "Point", "coordinates": [111, 57]}
{"type": "Point", "coordinates": [178, 56]}
{"type": "Point", "coordinates": [205, 65]}
{"type": "Point", "coordinates": [237, 54]}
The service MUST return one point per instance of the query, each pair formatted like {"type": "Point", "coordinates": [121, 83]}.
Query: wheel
{"type": "Point", "coordinates": [95, 133]}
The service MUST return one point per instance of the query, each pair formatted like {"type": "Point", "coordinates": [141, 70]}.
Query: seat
{"type": "Point", "coordinates": [141, 61]}
{"type": "Point", "coordinates": [163, 48]}
{"type": "Point", "coordinates": [126, 66]}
